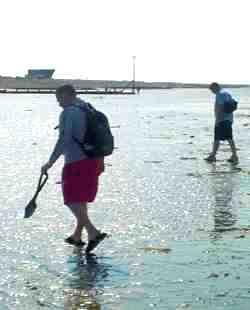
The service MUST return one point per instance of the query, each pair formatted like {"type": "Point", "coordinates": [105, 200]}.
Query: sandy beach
{"type": "Point", "coordinates": [180, 228]}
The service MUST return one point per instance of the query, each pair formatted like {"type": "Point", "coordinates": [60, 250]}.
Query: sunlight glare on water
{"type": "Point", "coordinates": [179, 227]}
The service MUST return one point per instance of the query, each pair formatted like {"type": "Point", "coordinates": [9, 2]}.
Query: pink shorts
{"type": "Point", "coordinates": [80, 180]}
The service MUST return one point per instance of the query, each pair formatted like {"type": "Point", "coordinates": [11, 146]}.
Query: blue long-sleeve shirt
{"type": "Point", "coordinates": [72, 124]}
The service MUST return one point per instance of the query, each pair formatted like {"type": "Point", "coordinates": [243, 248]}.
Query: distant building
{"type": "Point", "coordinates": [40, 73]}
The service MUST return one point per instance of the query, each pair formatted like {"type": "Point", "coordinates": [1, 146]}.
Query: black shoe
{"type": "Point", "coordinates": [233, 160]}
{"type": "Point", "coordinates": [210, 159]}
{"type": "Point", "coordinates": [72, 241]}
{"type": "Point", "coordinates": [92, 244]}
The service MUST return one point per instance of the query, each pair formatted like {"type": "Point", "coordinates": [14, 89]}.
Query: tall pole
{"type": "Point", "coordinates": [133, 84]}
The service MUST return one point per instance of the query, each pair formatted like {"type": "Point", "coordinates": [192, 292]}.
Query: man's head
{"type": "Point", "coordinates": [65, 95]}
{"type": "Point", "coordinates": [214, 87]}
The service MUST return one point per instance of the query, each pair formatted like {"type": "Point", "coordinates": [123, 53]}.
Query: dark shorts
{"type": "Point", "coordinates": [223, 131]}
{"type": "Point", "coordinates": [80, 181]}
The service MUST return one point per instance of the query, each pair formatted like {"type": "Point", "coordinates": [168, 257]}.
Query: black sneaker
{"type": "Point", "coordinates": [72, 241]}
{"type": "Point", "coordinates": [210, 159]}
{"type": "Point", "coordinates": [233, 160]}
{"type": "Point", "coordinates": [92, 244]}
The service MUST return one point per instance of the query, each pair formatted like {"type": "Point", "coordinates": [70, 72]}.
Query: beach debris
{"type": "Point", "coordinates": [41, 302]}
{"type": "Point", "coordinates": [222, 294]}
{"type": "Point", "coordinates": [240, 237]}
{"type": "Point", "coordinates": [31, 286]}
{"type": "Point", "coordinates": [188, 158]}
{"type": "Point", "coordinates": [237, 169]}
{"type": "Point", "coordinates": [236, 257]}
{"type": "Point", "coordinates": [159, 137]}
{"type": "Point", "coordinates": [191, 136]}
{"type": "Point", "coordinates": [156, 250]}
{"type": "Point", "coordinates": [153, 161]}
{"type": "Point", "coordinates": [152, 305]}
{"type": "Point", "coordinates": [116, 126]}
{"type": "Point", "coordinates": [213, 275]}
{"type": "Point", "coordinates": [178, 281]}
{"type": "Point", "coordinates": [196, 175]}
{"type": "Point", "coordinates": [184, 306]}
{"type": "Point", "coordinates": [245, 229]}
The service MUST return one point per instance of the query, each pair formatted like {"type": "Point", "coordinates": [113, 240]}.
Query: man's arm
{"type": "Point", "coordinates": [58, 150]}
{"type": "Point", "coordinates": [59, 146]}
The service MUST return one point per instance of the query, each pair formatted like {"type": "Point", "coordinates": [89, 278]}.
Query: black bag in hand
{"type": "Point", "coordinates": [230, 106]}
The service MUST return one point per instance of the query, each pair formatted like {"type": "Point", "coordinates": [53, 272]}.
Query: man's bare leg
{"type": "Point", "coordinates": [80, 211]}
{"type": "Point", "coordinates": [234, 158]}
{"type": "Point", "coordinates": [212, 155]}
{"type": "Point", "coordinates": [233, 147]}
{"type": "Point", "coordinates": [216, 146]}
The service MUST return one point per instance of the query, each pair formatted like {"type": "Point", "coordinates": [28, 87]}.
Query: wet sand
{"type": "Point", "coordinates": [180, 228]}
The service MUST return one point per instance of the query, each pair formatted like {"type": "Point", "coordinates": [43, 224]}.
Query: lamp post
{"type": "Point", "coordinates": [133, 81]}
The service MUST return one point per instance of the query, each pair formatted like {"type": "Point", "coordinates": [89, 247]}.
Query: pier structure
{"type": "Point", "coordinates": [19, 85]}
{"type": "Point", "coordinates": [106, 91]}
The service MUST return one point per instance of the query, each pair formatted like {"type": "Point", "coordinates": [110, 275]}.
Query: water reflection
{"type": "Point", "coordinates": [223, 183]}
{"type": "Point", "coordinates": [86, 274]}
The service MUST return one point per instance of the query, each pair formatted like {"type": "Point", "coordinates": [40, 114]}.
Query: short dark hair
{"type": "Point", "coordinates": [214, 85]}
{"type": "Point", "coordinates": [66, 89]}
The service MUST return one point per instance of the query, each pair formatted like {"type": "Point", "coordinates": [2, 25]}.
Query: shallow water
{"type": "Point", "coordinates": [179, 227]}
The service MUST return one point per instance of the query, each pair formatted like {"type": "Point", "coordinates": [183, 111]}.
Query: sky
{"type": "Point", "coordinates": [188, 41]}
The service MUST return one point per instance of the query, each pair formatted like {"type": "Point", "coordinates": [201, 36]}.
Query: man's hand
{"type": "Point", "coordinates": [102, 165]}
{"type": "Point", "coordinates": [46, 167]}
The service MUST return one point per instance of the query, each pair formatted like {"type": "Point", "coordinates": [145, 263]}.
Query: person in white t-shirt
{"type": "Point", "coordinates": [223, 124]}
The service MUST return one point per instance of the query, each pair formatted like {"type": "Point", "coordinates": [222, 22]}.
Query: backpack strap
{"type": "Point", "coordinates": [86, 108]}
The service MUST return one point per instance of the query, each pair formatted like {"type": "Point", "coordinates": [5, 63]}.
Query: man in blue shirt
{"type": "Point", "coordinates": [223, 124]}
{"type": "Point", "coordinates": [80, 174]}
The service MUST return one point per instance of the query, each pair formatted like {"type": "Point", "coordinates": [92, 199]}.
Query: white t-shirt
{"type": "Point", "coordinates": [221, 97]}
